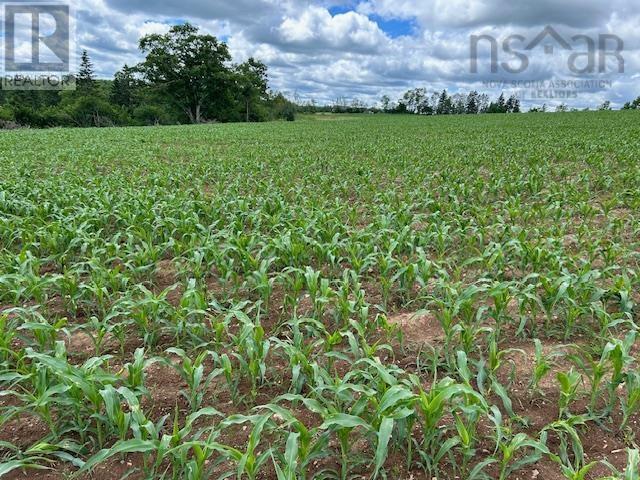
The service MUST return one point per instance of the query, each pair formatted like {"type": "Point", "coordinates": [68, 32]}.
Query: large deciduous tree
{"type": "Point", "coordinates": [188, 66]}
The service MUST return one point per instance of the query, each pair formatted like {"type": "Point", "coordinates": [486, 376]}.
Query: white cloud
{"type": "Point", "coordinates": [315, 27]}
{"type": "Point", "coordinates": [324, 56]}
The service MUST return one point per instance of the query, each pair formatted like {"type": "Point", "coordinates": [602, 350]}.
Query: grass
{"type": "Point", "coordinates": [355, 296]}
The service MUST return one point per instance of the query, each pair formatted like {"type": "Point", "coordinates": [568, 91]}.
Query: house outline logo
{"type": "Point", "coordinates": [549, 49]}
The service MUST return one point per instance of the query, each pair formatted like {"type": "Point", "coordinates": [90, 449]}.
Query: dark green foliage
{"type": "Point", "coordinates": [186, 77]}
{"type": "Point", "coordinates": [85, 80]}
{"type": "Point", "coordinates": [635, 105]}
{"type": "Point", "coordinates": [281, 108]}
{"type": "Point", "coordinates": [188, 68]}
{"type": "Point", "coordinates": [124, 88]}
{"type": "Point", "coordinates": [418, 101]}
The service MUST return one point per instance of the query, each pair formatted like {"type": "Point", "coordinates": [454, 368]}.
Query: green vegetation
{"type": "Point", "coordinates": [185, 77]}
{"type": "Point", "coordinates": [371, 296]}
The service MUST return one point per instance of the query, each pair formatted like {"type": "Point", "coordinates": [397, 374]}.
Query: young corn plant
{"type": "Point", "coordinates": [543, 364]}
{"type": "Point", "coordinates": [150, 440]}
{"type": "Point", "coordinates": [319, 290]}
{"type": "Point", "coordinates": [568, 383]}
{"type": "Point", "coordinates": [40, 456]}
{"type": "Point", "coordinates": [615, 357]}
{"type": "Point", "coordinates": [189, 323]}
{"type": "Point", "coordinates": [251, 351]}
{"type": "Point", "coordinates": [135, 378]}
{"type": "Point", "coordinates": [518, 452]}
{"type": "Point", "coordinates": [263, 283]}
{"type": "Point", "coordinates": [299, 354]}
{"type": "Point", "coordinates": [192, 373]}
{"type": "Point", "coordinates": [630, 401]}
{"type": "Point", "coordinates": [571, 460]}
{"type": "Point", "coordinates": [632, 470]}
{"type": "Point", "coordinates": [232, 378]}
{"type": "Point", "coordinates": [9, 357]}
{"type": "Point", "coordinates": [250, 461]}
{"type": "Point", "coordinates": [46, 333]}
{"type": "Point", "coordinates": [304, 445]}
{"type": "Point", "coordinates": [394, 406]}
{"type": "Point", "coordinates": [432, 405]}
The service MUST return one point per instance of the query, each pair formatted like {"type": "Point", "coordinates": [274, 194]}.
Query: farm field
{"type": "Point", "coordinates": [335, 298]}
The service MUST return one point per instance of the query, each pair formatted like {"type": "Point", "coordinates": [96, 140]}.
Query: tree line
{"type": "Point", "coordinates": [185, 77]}
{"type": "Point", "coordinates": [190, 77]}
{"type": "Point", "coordinates": [420, 102]}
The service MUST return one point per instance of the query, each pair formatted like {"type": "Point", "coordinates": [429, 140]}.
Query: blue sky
{"type": "Point", "coordinates": [393, 27]}
{"type": "Point", "coordinates": [324, 49]}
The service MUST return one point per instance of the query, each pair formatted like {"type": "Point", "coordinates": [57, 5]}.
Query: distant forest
{"type": "Point", "coordinates": [189, 77]}
{"type": "Point", "coordinates": [420, 102]}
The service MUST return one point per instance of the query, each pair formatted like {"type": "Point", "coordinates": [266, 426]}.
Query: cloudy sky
{"type": "Point", "coordinates": [366, 48]}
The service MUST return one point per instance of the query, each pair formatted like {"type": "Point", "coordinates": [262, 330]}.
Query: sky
{"type": "Point", "coordinates": [363, 49]}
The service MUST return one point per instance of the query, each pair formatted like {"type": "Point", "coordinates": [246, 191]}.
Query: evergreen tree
{"type": "Point", "coordinates": [509, 105]}
{"type": "Point", "coordinates": [85, 80]}
{"type": "Point", "coordinates": [512, 105]}
{"type": "Point", "coordinates": [472, 106]}
{"type": "Point", "coordinates": [123, 88]}
{"type": "Point", "coordinates": [444, 104]}
{"type": "Point", "coordinates": [501, 105]}
{"type": "Point", "coordinates": [516, 104]}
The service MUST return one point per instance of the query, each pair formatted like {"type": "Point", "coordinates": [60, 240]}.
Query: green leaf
{"type": "Point", "coordinates": [384, 435]}
{"type": "Point", "coordinates": [128, 446]}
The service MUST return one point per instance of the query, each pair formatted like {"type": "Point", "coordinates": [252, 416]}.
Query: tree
{"type": "Point", "coordinates": [416, 101]}
{"type": "Point", "coordinates": [512, 105]}
{"type": "Point", "coordinates": [483, 103]}
{"type": "Point", "coordinates": [458, 104]}
{"type": "Point", "coordinates": [516, 105]}
{"type": "Point", "coordinates": [606, 106]}
{"type": "Point", "coordinates": [282, 108]}
{"type": "Point", "coordinates": [472, 106]}
{"type": "Point", "coordinates": [385, 103]}
{"type": "Point", "coordinates": [401, 107]}
{"type": "Point", "coordinates": [124, 87]}
{"type": "Point", "coordinates": [85, 81]}
{"type": "Point", "coordinates": [635, 105]}
{"type": "Point", "coordinates": [188, 67]}
{"type": "Point", "coordinates": [502, 107]}
{"type": "Point", "coordinates": [252, 84]}
{"type": "Point", "coordinates": [444, 104]}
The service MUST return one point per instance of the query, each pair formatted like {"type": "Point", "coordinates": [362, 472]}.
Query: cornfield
{"type": "Point", "coordinates": [371, 297]}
